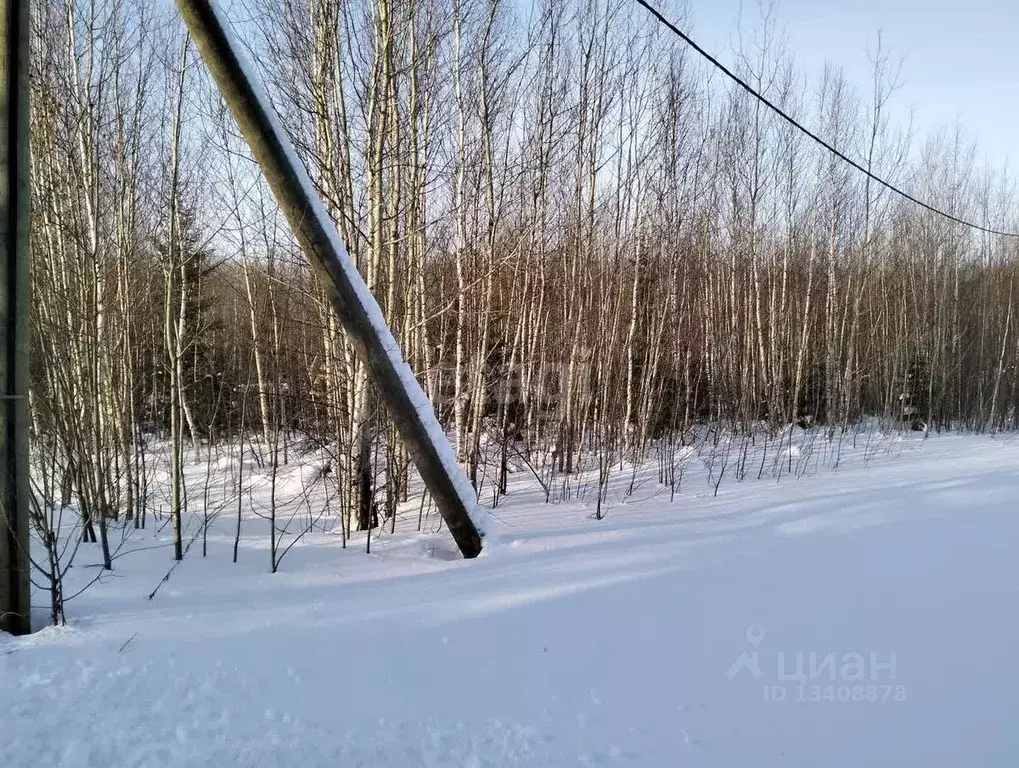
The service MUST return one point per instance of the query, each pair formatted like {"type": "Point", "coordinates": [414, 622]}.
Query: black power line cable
{"type": "Point", "coordinates": [796, 124]}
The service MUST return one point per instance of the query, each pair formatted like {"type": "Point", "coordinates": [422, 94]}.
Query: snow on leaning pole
{"type": "Point", "coordinates": [355, 305]}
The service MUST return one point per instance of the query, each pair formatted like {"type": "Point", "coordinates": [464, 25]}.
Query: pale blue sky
{"type": "Point", "coordinates": [961, 60]}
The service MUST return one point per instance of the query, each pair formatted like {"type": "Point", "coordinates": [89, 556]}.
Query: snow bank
{"type": "Point", "coordinates": [852, 618]}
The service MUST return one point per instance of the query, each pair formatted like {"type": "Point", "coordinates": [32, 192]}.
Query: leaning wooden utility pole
{"type": "Point", "coordinates": [355, 305]}
{"type": "Point", "coordinates": [15, 610]}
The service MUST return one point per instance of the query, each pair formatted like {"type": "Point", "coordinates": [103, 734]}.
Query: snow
{"type": "Point", "coordinates": [663, 635]}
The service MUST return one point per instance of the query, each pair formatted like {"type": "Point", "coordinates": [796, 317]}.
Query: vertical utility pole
{"type": "Point", "coordinates": [15, 611]}
{"type": "Point", "coordinates": [355, 305]}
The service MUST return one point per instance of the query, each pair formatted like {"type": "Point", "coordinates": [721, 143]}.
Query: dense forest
{"type": "Point", "coordinates": [592, 249]}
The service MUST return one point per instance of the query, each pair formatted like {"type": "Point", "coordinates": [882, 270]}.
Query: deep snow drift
{"type": "Point", "coordinates": [859, 617]}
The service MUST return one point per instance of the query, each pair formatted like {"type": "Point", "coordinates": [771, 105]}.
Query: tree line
{"type": "Point", "coordinates": [588, 245]}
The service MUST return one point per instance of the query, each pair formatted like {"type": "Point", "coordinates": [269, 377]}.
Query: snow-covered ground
{"type": "Point", "coordinates": [859, 617]}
